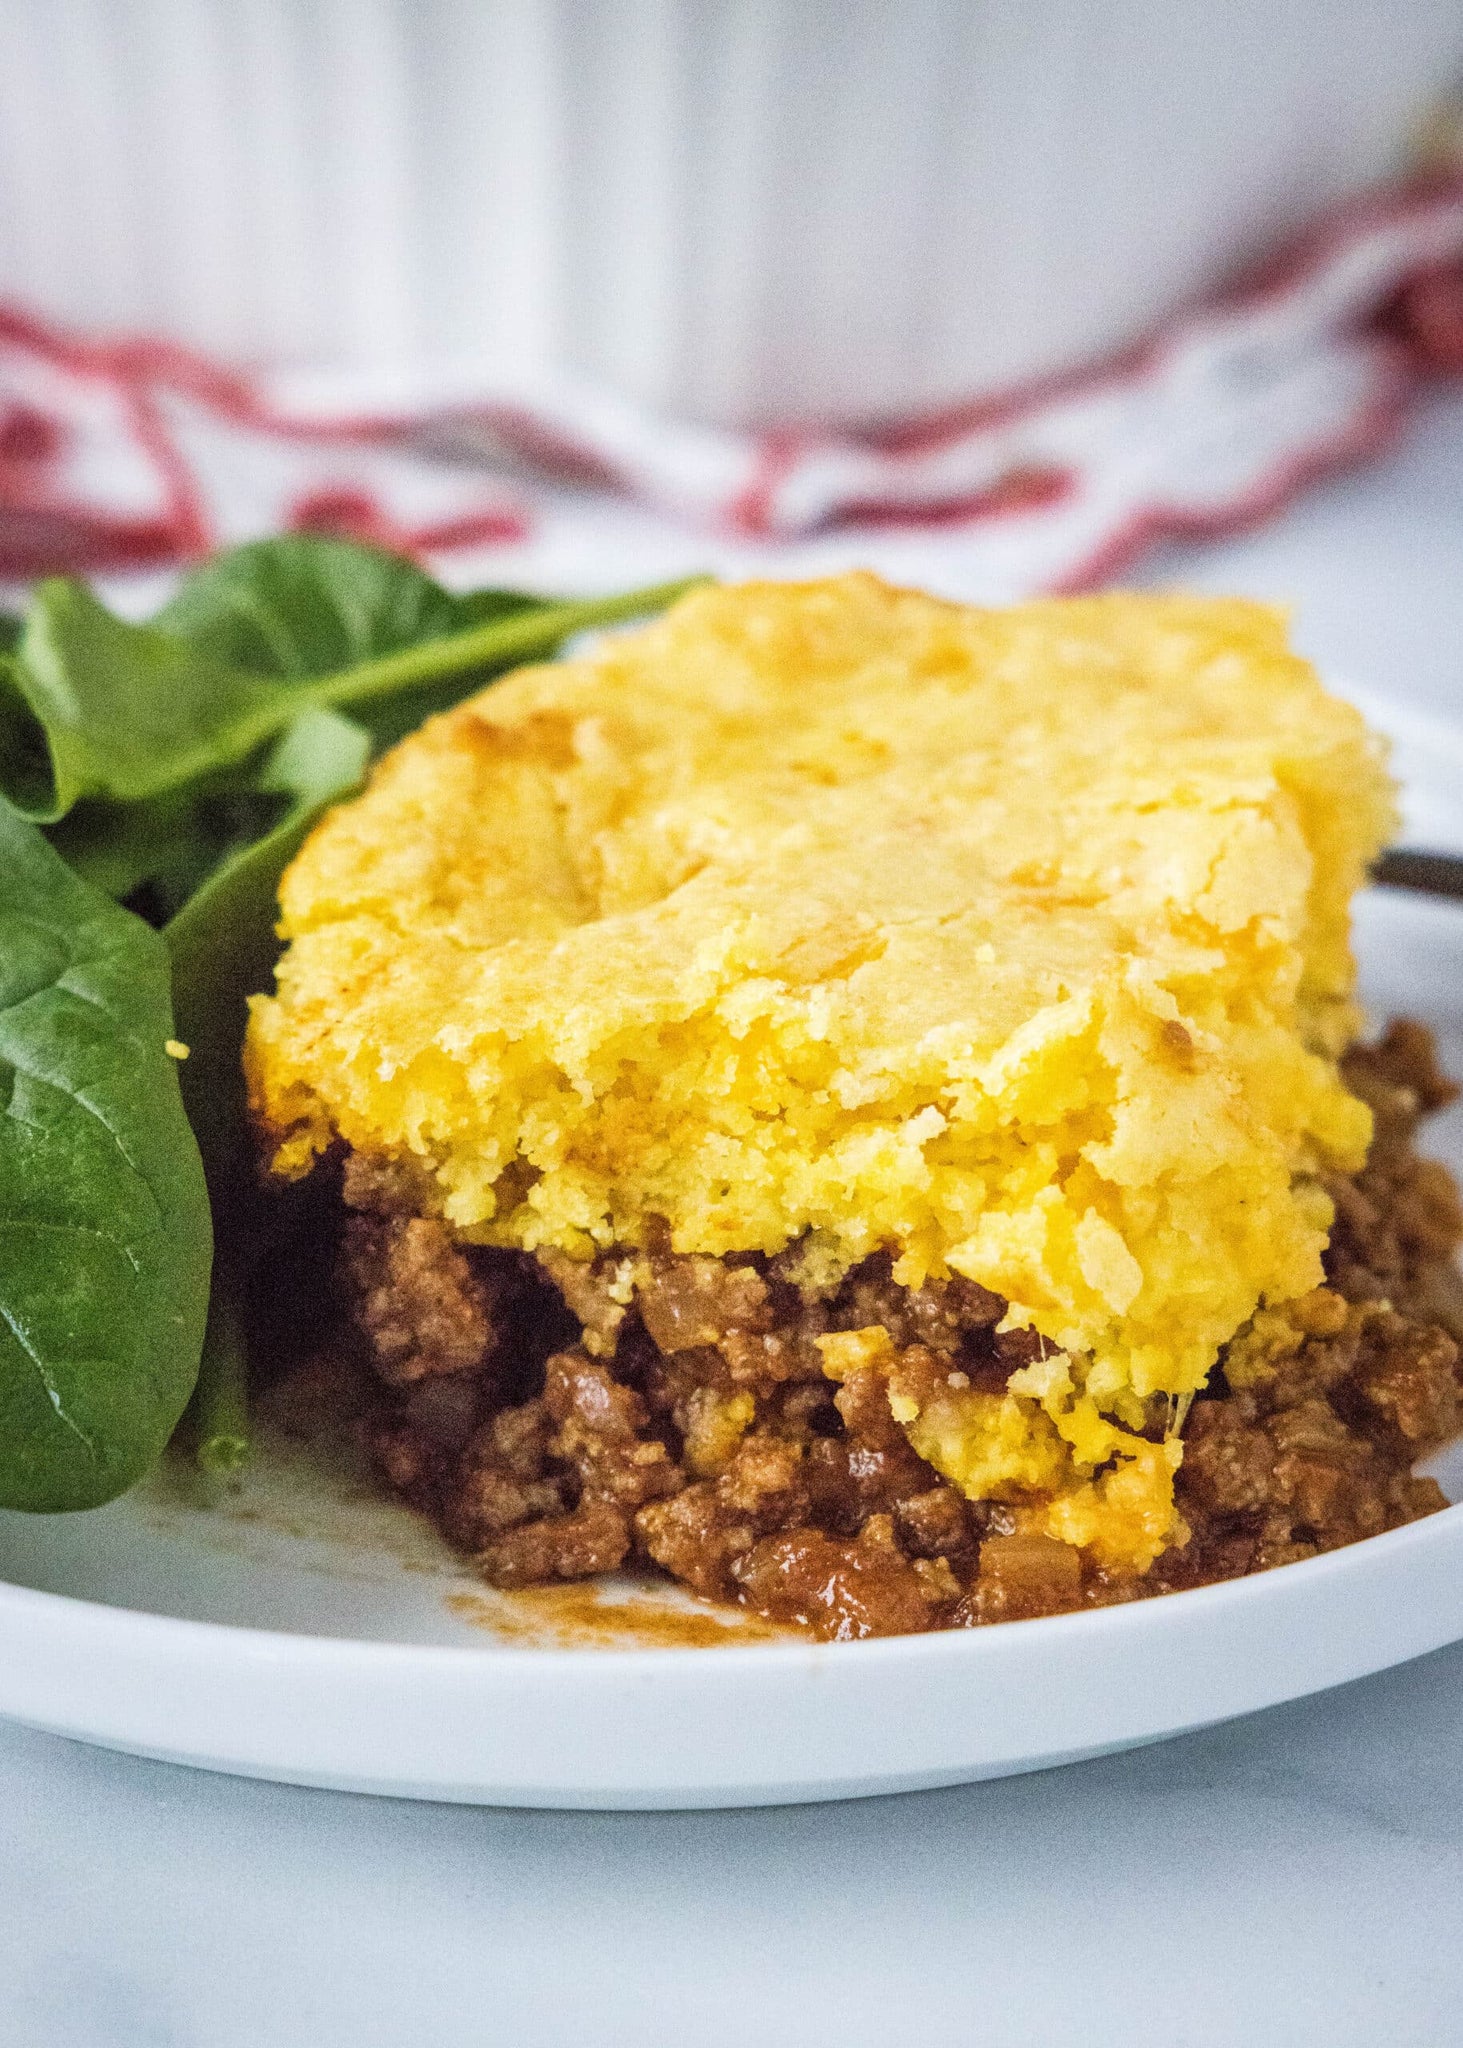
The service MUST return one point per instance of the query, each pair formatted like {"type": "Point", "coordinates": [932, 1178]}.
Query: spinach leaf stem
{"type": "Point", "coordinates": [496, 643]}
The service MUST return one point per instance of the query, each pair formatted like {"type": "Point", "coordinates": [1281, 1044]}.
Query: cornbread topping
{"type": "Point", "coordinates": [869, 1021]}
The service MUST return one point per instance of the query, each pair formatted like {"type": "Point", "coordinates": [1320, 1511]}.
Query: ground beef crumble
{"type": "Point", "coordinates": [557, 1420]}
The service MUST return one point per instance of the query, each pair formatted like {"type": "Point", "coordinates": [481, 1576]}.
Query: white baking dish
{"type": "Point", "coordinates": [738, 210]}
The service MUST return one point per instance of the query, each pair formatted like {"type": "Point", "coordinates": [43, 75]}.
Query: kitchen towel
{"type": "Point", "coordinates": [128, 454]}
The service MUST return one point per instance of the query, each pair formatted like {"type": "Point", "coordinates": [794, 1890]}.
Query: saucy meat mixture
{"type": "Point", "coordinates": [558, 1420]}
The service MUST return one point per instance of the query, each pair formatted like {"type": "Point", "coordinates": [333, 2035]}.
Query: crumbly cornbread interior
{"type": "Point", "coordinates": [835, 916]}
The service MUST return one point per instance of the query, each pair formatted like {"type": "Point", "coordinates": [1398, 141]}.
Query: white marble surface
{"type": "Point", "coordinates": [1292, 1879]}
{"type": "Point", "coordinates": [1295, 1879]}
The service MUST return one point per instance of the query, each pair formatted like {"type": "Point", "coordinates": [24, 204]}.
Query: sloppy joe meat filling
{"type": "Point", "coordinates": [558, 1420]}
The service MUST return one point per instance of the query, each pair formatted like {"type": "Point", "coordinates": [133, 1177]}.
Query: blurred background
{"type": "Point", "coordinates": [751, 212]}
{"type": "Point", "coordinates": [465, 274]}
{"type": "Point", "coordinates": [748, 211]}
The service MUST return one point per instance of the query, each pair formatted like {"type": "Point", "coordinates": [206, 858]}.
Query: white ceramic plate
{"type": "Point", "coordinates": [306, 1630]}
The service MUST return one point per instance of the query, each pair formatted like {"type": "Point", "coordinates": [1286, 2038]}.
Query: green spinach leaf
{"type": "Point", "coordinates": [223, 947]}
{"type": "Point", "coordinates": [304, 605]}
{"type": "Point", "coordinates": [91, 706]}
{"type": "Point", "coordinates": [287, 610]}
{"type": "Point", "coordinates": [104, 1222]}
{"type": "Point", "coordinates": [153, 855]}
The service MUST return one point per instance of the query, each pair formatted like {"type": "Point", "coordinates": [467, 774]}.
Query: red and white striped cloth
{"type": "Point", "coordinates": [126, 455]}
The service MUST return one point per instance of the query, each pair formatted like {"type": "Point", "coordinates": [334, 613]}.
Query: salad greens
{"type": "Point", "coordinates": [91, 706]}
{"type": "Point", "coordinates": [104, 1222]}
{"type": "Point", "coordinates": [175, 768]}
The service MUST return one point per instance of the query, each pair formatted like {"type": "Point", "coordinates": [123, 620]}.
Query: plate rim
{"type": "Point", "coordinates": [756, 1725]}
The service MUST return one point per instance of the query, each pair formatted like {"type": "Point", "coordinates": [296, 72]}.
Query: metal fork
{"type": "Point", "coordinates": [1427, 874]}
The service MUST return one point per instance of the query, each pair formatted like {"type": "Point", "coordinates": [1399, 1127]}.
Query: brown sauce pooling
{"type": "Point", "coordinates": [580, 1617]}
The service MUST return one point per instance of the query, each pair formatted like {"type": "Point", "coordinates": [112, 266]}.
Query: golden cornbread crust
{"type": "Point", "coordinates": [1012, 946]}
